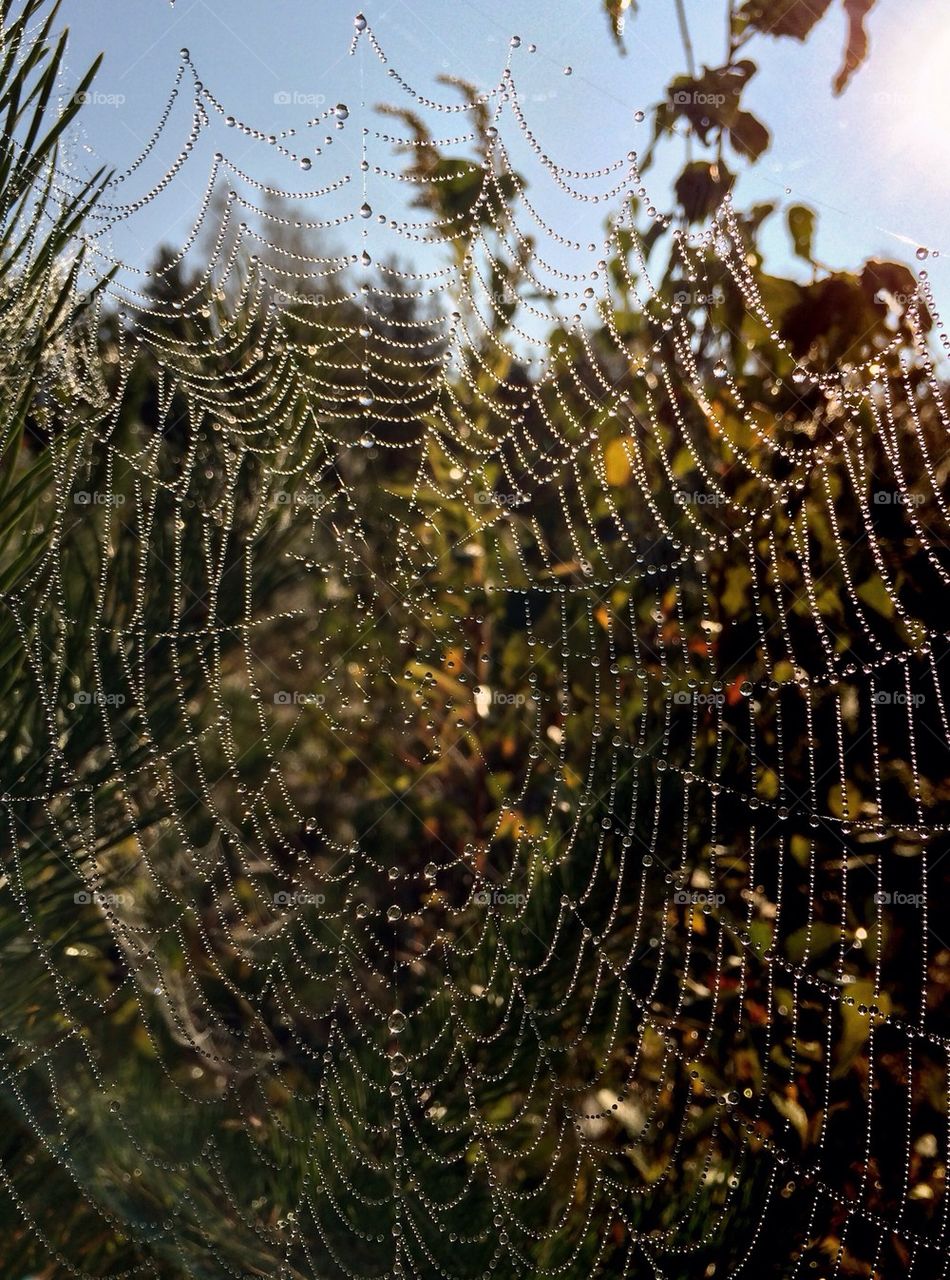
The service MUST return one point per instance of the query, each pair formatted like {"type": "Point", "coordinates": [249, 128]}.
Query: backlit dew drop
{"type": "Point", "coordinates": [398, 1064]}
{"type": "Point", "coordinates": [397, 1021]}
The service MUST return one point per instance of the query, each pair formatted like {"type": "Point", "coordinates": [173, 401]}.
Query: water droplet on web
{"type": "Point", "coordinates": [516, 42]}
{"type": "Point", "coordinates": [568, 71]}
{"type": "Point", "coordinates": [366, 210]}
{"type": "Point", "coordinates": [923, 254]}
{"type": "Point", "coordinates": [341, 111]}
{"type": "Point", "coordinates": [639, 116]}
{"type": "Point", "coordinates": [719, 369]}
{"type": "Point", "coordinates": [360, 22]}
{"type": "Point", "coordinates": [397, 1021]}
{"type": "Point", "coordinates": [306, 163]}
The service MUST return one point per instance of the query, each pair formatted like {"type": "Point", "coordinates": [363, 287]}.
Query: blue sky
{"type": "Point", "coordinates": [875, 163]}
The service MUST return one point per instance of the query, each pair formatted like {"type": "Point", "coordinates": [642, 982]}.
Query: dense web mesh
{"type": "Point", "coordinates": [493, 779]}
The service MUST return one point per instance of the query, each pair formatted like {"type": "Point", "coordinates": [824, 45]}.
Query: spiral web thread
{"type": "Point", "coordinates": [367, 547]}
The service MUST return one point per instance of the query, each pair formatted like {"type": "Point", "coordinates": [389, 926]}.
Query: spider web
{"type": "Point", "coordinates": [495, 777]}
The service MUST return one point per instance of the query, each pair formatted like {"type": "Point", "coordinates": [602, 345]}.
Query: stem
{"type": "Point", "coordinates": [687, 39]}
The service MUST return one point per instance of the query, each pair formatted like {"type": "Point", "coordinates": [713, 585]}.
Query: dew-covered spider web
{"type": "Point", "coordinates": [476, 784]}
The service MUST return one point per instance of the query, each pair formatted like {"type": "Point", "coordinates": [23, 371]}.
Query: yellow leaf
{"type": "Point", "coordinates": [617, 461]}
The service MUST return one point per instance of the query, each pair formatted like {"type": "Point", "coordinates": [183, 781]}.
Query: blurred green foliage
{"type": "Point", "coordinates": [399, 624]}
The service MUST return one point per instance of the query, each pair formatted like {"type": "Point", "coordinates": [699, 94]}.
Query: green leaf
{"type": "Point", "coordinates": [749, 136]}
{"type": "Point", "coordinates": [794, 18]}
{"type": "Point", "coordinates": [874, 593]}
{"type": "Point", "coordinates": [701, 189]}
{"type": "Point", "coordinates": [801, 224]}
